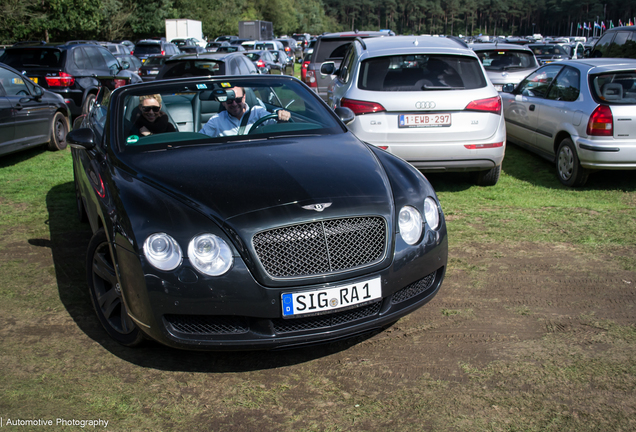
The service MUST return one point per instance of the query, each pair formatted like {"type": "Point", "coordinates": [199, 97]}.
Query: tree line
{"type": "Point", "coordinates": [62, 20]}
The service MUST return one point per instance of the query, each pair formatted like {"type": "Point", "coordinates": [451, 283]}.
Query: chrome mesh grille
{"type": "Point", "coordinates": [414, 289]}
{"type": "Point", "coordinates": [325, 321]}
{"type": "Point", "coordinates": [317, 248]}
{"type": "Point", "coordinates": [201, 324]}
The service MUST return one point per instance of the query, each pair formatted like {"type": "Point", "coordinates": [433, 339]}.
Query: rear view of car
{"type": "Point", "coordinates": [505, 63]}
{"type": "Point", "coordinates": [425, 99]}
{"type": "Point", "coordinates": [332, 47]}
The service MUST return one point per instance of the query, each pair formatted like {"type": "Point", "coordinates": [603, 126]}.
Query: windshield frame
{"type": "Point", "coordinates": [316, 111]}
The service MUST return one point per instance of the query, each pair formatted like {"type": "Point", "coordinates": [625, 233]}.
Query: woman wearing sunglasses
{"type": "Point", "coordinates": [152, 120]}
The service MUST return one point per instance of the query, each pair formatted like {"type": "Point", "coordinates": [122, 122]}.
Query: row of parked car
{"type": "Point", "coordinates": [433, 105]}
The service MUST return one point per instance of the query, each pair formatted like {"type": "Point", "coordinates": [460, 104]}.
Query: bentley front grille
{"type": "Point", "coordinates": [324, 247]}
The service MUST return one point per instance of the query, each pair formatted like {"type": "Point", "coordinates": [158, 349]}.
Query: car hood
{"type": "Point", "coordinates": [265, 181]}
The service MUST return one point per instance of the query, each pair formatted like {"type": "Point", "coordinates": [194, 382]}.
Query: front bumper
{"type": "Point", "coordinates": [235, 312]}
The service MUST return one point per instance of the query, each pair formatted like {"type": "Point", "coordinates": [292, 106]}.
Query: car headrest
{"type": "Point", "coordinates": [612, 91]}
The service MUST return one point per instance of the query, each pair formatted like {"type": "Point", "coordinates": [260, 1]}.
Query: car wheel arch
{"type": "Point", "coordinates": [558, 139]}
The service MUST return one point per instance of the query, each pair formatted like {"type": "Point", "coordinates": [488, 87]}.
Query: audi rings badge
{"type": "Point", "coordinates": [425, 104]}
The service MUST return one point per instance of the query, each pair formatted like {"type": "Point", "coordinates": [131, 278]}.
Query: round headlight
{"type": "Point", "coordinates": [410, 223]}
{"type": "Point", "coordinates": [210, 254]}
{"type": "Point", "coordinates": [431, 213]}
{"type": "Point", "coordinates": [162, 251]}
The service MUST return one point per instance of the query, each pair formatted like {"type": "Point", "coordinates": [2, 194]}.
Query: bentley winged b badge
{"type": "Point", "coordinates": [317, 207]}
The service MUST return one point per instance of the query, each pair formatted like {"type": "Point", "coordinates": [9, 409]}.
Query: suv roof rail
{"type": "Point", "coordinates": [364, 46]}
{"type": "Point", "coordinates": [458, 40]}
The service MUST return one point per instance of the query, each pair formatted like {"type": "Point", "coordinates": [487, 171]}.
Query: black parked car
{"type": "Point", "coordinates": [151, 67]}
{"type": "Point", "coordinates": [29, 114]}
{"type": "Point", "coordinates": [188, 65]}
{"type": "Point", "coordinates": [69, 70]}
{"type": "Point", "coordinates": [288, 234]}
{"type": "Point", "coordinates": [265, 62]}
{"type": "Point", "coordinates": [149, 47]}
{"type": "Point", "coordinates": [285, 61]}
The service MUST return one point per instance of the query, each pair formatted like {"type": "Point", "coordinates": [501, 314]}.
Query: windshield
{"type": "Point", "coordinates": [197, 113]}
{"type": "Point", "coordinates": [615, 88]}
{"type": "Point", "coordinates": [506, 59]}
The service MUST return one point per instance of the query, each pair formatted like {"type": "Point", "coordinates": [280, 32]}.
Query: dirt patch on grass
{"type": "Point", "coordinates": [520, 337]}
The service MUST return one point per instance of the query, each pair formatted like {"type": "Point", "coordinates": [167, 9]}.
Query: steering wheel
{"type": "Point", "coordinates": [262, 120]}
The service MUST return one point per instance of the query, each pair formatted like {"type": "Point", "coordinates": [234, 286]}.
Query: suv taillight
{"type": "Point", "coordinates": [492, 105]}
{"type": "Point", "coordinates": [310, 79]}
{"type": "Point", "coordinates": [601, 122]}
{"type": "Point", "coordinates": [63, 80]}
{"type": "Point", "coordinates": [361, 107]}
{"type": "Point", "coordinates": [260, 63]}
{"type": "Point", "coordinates": [163, 52]}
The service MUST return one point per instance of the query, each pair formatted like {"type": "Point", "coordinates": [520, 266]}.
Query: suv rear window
{"type": "Point", "coordinates": [155, 61]}
{"type": "Point", "coordinates": [142, 49]}
{"type": "Point", "coordinates": [614, 88]}
{"type": "Point", "coordinates": [331, 49]}
{"type": "Point", "coordinates": [421, 72]}
{"type": "Point", "coordinates": [32, 57]}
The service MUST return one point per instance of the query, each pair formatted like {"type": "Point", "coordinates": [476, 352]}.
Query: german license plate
{"type": "Point", "coordinates": [424, 120]}
{"type": "Point", "coordinates": [330, 299]}
{"type": "Point", "coordinates": [153, 72]}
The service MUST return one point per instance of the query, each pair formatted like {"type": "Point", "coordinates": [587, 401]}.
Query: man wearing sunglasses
{"type": "Point", "coordinates": [152, 120]}
{"type": "Point", "coordinates": [232, 121]}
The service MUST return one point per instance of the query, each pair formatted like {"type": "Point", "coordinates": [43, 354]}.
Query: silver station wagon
{"type": "Point", "coordinates": [580, 114]}
{"type": "Point", "coordinates": [426, 99]}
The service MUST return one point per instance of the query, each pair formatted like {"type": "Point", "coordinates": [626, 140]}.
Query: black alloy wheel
{"type": "Point", "coordinates": [106, 294]}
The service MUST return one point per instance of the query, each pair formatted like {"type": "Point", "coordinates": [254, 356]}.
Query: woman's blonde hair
{"type": "Point", "coordinates": [153, 96]}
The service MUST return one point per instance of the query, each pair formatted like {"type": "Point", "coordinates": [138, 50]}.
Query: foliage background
{"type": "Point", "coordinates": [61, 20]}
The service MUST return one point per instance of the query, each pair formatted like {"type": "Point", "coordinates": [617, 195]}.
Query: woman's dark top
{"type": "Point", "coordinates": [160, 125]}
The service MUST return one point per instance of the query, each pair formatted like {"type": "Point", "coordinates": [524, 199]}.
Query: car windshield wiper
{"type": "Point", "coordinates": [428, 87]}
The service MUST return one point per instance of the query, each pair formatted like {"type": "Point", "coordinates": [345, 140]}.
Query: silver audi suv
{"type": "Point", "coordinates": [426, 99]}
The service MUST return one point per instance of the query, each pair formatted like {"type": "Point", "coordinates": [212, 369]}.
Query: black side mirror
{"type": "Point", "coordinates": [37, 92]}
{"type": "Point", "coordinates": [345, 115]}
{"type": "Point", "coordinates": [81, 138]}
{"type": "Point", "coordinates": [328, 68]}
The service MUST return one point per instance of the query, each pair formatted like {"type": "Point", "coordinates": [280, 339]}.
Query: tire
{"type": "Point", "coordinates": [569, 169]}
{"type": "Point", "coordinates": [105, 293]}
{"type": "Point", "coordinates": [59, 129]}
{"type": "Point", "coordinates": [489, 177]}
{"type": "Point", "coordinates": [88, 103]}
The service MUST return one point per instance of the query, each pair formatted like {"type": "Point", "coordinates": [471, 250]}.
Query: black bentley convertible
{"type": "Point", "coordinates": [284, 234]}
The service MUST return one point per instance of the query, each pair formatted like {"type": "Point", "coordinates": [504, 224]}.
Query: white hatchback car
{"type": "Point", "coordinates": [426, 99]}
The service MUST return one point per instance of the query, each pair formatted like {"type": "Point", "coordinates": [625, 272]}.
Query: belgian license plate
{"type": "Point", "coordinates": [424, 120]}
{"type": "Point", "coordinates": [330, 299]}
{"type": "Point", "coordinates": [34, 79]}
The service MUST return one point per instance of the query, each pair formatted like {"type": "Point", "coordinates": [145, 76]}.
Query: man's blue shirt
{"type": "Point", "coordinates": [224, 124]}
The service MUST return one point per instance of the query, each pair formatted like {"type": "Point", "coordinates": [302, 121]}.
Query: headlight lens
{"type": "Point", "coordinates": [431, 213]}
{"type": "Point", "coordinates": [210, 254]}
{"type": "Point", "coordinates": [162, 251]}
{"type": "Point", "coordinates": [410, 223]}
